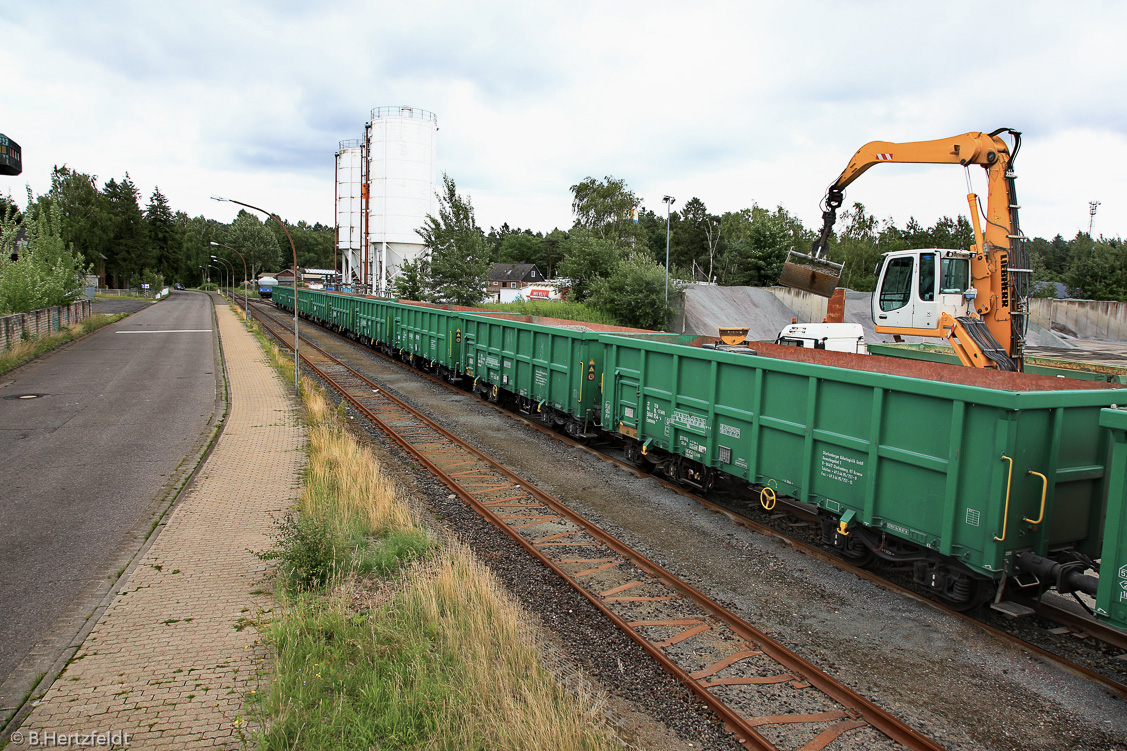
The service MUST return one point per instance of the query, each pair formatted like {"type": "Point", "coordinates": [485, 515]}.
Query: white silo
{"type": "Point", "coordinates": [401, 175]}
{"type": "Point", "coordinates": [349, 208]}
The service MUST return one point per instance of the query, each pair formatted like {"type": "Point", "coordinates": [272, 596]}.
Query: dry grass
{"type": "Point", "coordinates": [502, 695]}
{"type": "Point", "coordinates": [421, 649]}
{"type": "Point", "coordinates": [344, 479]}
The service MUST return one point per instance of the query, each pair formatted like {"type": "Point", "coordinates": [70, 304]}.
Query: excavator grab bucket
{"type": "Point", "coordinates": [811, 273]}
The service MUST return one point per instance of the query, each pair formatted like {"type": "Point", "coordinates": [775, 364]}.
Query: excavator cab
{"type": "Point", "coordinates": [916, 287]}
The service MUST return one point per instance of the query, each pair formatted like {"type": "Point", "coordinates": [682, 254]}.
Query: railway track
{"type": "Point", "coordinates": [767, 695]}
{"type": "Point", "coordinates": [1077, 624]}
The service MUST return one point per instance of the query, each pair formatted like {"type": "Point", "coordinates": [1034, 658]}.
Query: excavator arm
{"type": "Point", "coordinates": [999, 271]}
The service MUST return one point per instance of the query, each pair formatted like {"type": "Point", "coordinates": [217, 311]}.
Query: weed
{"type": "Point", "coordinates": [305, 551]}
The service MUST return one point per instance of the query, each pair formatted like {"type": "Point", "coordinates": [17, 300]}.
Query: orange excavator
{"type": "Point", "coordinates": [975, 298]}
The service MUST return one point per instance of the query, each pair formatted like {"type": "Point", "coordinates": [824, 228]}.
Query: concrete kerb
{"type": "Point", "coordinates": [36, 674]}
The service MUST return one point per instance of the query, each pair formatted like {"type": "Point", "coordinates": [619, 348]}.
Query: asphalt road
{"type": "Point", "coordinates": [91, 438]}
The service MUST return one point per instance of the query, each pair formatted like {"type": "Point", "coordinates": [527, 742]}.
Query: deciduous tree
{"type": "Point", "coordinates": [634, 293]}
{"type": "Point", "coordinates": [605, 207]}
{"type": "Point", "coordinates": [43, 272]}
{"type": "Point", "coordinates": [257, 243]}
{"type": "Point", "coordinates": [458, 262]}
{"type": "Point", "coordinates": [587, 257]}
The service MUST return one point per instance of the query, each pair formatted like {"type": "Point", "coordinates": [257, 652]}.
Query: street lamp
{"type": "Point", "coordinates": [222, 271]}
{"type": "Point", "coordinates": [231, 276]}
{"type": "Point", "coordinates": [246, 309]}
{"type": "Point", "coordinates": [296, 365]}
{"type": "Point", "coordinates": [668, 201]}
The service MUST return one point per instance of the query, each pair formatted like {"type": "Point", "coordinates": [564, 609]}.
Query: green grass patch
{"type": "Point", "coordinates": [99, 296]}
{"type": "Point", "coordinates": [571, 311]}
{"type": "Point", "coordinates": [30, 349]}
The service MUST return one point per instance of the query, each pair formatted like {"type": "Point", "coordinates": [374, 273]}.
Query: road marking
{"type": "Point", "coordinates": [169, 331]}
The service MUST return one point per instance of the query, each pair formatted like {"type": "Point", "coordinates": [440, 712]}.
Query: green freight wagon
{"type": "Point", "coordinates": [952, 469]}
{"type": "Point", "coordinates": [283, 297]}
{"type": "Point", "coordinates": [551, 371]}
{"type": "Point", "coordinates": [341, 311]}
{"type": "Point", "coordinates": [368, 319]}
{"type": "Point", "coordinates": [426, 332]}
{"type": "Point", "coordinates": [1111, 599]}
{"type": "Point", "coordinates": [318, 303]}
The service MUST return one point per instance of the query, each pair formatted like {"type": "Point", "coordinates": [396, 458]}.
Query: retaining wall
{"type": "Point", "coordinates": [1087, 319]}
{"type": "Point", "coordinates": [806, 305]}
{"type": "Point", "coordinates": [41, 322]}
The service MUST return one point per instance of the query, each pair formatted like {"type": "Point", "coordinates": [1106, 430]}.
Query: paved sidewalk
{"type": "Point", "coordinates": [173, 656]}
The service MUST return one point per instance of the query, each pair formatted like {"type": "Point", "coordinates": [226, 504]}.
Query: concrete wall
{"type": "Point", "coordinates": [41, 322]}
{"type": "Point", "coordinates": [806, 306]}
{"type": "Point", "coordinates": [1086, 319]}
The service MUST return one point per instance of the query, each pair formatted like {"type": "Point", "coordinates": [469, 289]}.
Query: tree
{"type": "Point", "coordinates": [411, 284]}
{"type": "Point", "coordinates": [164, 235]}
{"type": "Point", "coordinates": [524, 247]}
{"type": "Point", "coordinates": [651, 228]}
{"type": "Point", "coordinates": [860, 245]}
{"type": "Point", "coordinates": [128, 250]}
{"type": "Point", "coordinates": [42, 270]}
{"type": "Point", "coordinates": [551, 251]}
{"type": "Point", "coordinates": [84, 219]}
{"type": "Point", "coordinates": [256, 242]}
{"type": "Point", "coordinates": [587, 257]}
{"type": "Point", "coordinates": [605, 207]}
{"type": "Point", "coordinates": [634, 293]}
{"type": "Point", "coordinates": [313, 243]}
{"type": "Point", "coordinates": [697, 240]}
{"type": "Point", "coordinates": [1098, 269]}
{"type": "Point", "coordinates": [458, 260]}
{"type": "Point", "coordinates": [756, 243]}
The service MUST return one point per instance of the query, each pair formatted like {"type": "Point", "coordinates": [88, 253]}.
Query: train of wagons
{"type": "Point", "coordinates": [980, 480]}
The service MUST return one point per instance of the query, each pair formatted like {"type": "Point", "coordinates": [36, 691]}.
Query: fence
{"type": "Point", "coordinates": [41, 322]}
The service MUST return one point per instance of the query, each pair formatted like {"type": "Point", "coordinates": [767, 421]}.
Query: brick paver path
{"type": "Point", "coordinates": [173, 656]}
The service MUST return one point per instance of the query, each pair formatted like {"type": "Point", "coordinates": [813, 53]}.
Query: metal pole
{"type": "Point", "coordinates": [246, 308]}
{"type": "Point", "coordinates": [296, 361]}
{"type": "Point", "coordinates": [668, 201]}
{"type": "Point", "coordinates": [231, 276]}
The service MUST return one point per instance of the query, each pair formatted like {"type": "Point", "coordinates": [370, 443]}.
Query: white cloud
{"type": "Point", "coordinates": [734, 103]}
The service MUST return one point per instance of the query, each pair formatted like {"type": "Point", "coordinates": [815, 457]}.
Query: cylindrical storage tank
{"type": "Point", "coordinates": [349, 209]}
{"type": "Point", "coordinates": [401, 159]}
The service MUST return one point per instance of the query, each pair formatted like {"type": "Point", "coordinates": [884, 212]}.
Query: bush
{"type": "Point", "coordinates": [305, 551]}
{"type": "Point", "coordinates": [46, 271]}
{"type": "Point", "coordinates": [634, 294]}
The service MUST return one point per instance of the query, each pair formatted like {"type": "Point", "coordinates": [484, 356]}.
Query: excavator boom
{"type": "Point", "coordinates": [999, 271]}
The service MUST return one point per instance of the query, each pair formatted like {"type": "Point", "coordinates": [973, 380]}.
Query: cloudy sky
{"type": "Point", "coordinates": [738, 103]}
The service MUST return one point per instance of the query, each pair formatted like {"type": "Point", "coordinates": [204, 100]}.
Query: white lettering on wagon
{"type": "Point", "coordinates": [689, 421]}
{"type": "Point", "coordinates": [729, 430]}
{"type": "Point", "coordinates": [844, 469]}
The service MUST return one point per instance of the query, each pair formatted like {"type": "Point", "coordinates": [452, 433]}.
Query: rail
{"type": "Point", "coordinates": [702, 644]}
